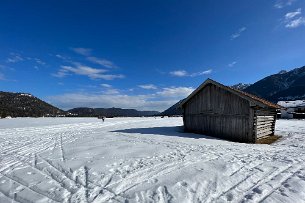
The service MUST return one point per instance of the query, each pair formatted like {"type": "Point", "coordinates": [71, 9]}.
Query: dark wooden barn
{"type": "Point", "coordinates": [220, 111]}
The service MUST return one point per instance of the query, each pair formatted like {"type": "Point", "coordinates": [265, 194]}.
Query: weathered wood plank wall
{"type": "Point", "coordinates": [216, 112]}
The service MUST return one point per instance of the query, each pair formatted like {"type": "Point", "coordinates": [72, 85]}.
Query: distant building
{"type": "Point", "coordinates": [292, 109]}
{"type": "Point", "coordinates": [220, 111]}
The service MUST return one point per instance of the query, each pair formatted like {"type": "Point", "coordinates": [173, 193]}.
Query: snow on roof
{"type": "Point", "coordinates": [289, 104]}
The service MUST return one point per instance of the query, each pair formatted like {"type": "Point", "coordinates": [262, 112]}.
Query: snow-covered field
{"type": "Point", "coordinates": [144, 160]}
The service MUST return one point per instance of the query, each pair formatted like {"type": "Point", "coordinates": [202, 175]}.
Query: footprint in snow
{"type": "Point", "coordinates": [284, 194]}
{"type": "Point", "coordinates": [182, 184]}
{"type": "Point", "coordinates": [229, 197]}
{"type": "Point", "coordinates": [257, 190]}
{"type": "Point", "coordinates": [154, 180]}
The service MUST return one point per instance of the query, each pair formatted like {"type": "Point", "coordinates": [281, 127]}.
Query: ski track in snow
{"type": "Point", "coordinates": [145, 160]}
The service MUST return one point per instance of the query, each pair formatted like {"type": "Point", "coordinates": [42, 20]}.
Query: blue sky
{"type": "Point", "coordinates": [143, 54]}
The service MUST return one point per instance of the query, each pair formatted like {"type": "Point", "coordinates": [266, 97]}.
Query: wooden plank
{"type": "Point", "coordinates": [263, 131]}
{"type": "Point", "coordinates": [264, 134]}
{"type": "Point", "coordinates": [265, 121]}
{"type": "Point", "coordinates": [262, 123]}
{"type": "Point", "coordinates": [251, 130]}
{"type": "Point", "coordinates": [263, 118]}
{"type": "Point", "coordinates": [270, 116]}
{"type": "Point", "coordinates": [265, 126]}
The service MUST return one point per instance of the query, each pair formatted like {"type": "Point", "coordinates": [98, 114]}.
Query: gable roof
{"type": "Point", "coordinates": [252, 98]}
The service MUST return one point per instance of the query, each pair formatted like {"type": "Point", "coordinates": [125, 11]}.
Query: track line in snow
{"type": "Point", "coordinates": [62, 149]}
{"type": "Point", "coordinates": [273, 185]}
{"type": "Point", "coordinates": [31, 188]}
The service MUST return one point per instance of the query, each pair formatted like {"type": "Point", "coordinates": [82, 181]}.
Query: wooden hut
{"type": "Point", "coordinates": [220, 111]}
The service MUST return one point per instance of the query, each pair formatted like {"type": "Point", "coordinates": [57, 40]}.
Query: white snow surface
{"type": "Point", "coordinates": [144, 160]}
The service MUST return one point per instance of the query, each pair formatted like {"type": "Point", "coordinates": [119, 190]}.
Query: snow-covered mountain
{"type": "Point", "coordinates": [240, 86]}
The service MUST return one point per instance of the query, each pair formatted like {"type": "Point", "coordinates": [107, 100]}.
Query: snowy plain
{"type": "Point", "coordinates": [144, 160]}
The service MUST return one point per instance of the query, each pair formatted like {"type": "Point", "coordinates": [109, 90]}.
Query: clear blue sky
{"type": "Point", "coordinates": [143, 54]}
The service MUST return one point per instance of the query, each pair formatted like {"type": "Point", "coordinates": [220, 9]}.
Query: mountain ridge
{"type": "Point", "coordinates": [17, 104]}
{"type": "Point", "coordinates": [284, 85]}
{"type": "Point", "coordinates": [110, 112]}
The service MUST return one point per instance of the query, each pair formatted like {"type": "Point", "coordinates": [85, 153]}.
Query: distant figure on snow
{"type": "Point", "coordinates": [101, 117]}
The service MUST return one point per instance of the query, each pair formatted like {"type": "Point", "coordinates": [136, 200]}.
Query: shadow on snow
{"type": "Point", "coordinates": [175, 131]}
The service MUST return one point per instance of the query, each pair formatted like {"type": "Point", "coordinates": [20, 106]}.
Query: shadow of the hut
{"type": "Point", "coordinates": [173, 131]}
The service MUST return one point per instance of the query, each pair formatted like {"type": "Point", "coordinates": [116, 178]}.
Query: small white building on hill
{"type": "Point", "coordinates": [292, 109]}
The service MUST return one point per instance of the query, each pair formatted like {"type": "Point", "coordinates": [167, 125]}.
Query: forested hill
{"type": "Point", "coordinates": [25, 105]}
{"type": "Point", "coordinates": [285, 85]}
{"type": "Point", "coordinates": [110, 112]}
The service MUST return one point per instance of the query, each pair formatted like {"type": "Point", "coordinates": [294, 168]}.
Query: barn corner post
{"type": "Point", "coordinates": [252, 126]}
{"type": "Point", "coordinates": [184, 119]}
{"type": "Point", "coordinates": [274, 121]}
